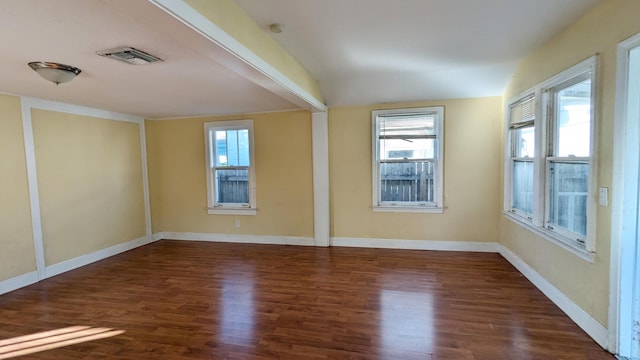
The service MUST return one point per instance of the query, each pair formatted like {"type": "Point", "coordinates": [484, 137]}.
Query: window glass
{"type": "Point", "coordinates": [221, 148]}
{"type": "Point", "coordinates": [573, 120]}
{"type": "Point", "coordinates": [525, 142]}
{"type": "Point", "coordinates": [407, 181]}
{"type": "Point", "coordinates": [232, 148]}
{"type": "Point", "coordinates": [407, 137]}
{"type": "Point", "coordinates": [522, 197]}
{"type": "Point", "coordinates": [568, 188]}
{"type": "Point", "coordinates": [232, 186]}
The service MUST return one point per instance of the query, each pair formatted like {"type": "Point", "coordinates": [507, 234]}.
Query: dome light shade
{"type": "Point", "coordinates": [54, 72]}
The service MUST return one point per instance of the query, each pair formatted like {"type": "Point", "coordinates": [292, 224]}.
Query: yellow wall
{"type": "Point", "coordinates": [90, 183]}
{"type": "Point", "coordinates": [599, 31]}
{"type": "Point", "coordinates": [471, 175]}
{"type": "Point", "coordinates": [284, 186]}
{"type": "Point", "coordinates": [16, 239]}
{"type": "Point", "coordinates": [231, 18]}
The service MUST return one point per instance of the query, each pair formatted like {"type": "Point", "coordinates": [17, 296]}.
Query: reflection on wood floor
{"type": "Point", "coordinates": [197, 300]}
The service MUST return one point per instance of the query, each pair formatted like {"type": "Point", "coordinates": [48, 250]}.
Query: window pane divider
{"type": "Point", "coordinates": [224, 167]}
{"type": "Point", "coordinates": [391, 161]}
{"type": "Point", "coordinates": [523, 124]}
{"type": "Point", "coordinates": [406, 137]}
{"type": "Point", "coordinates": [569, 159]}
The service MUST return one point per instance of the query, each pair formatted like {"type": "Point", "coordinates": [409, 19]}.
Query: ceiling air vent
{"type": "Point", "coordinates": [130, 55]}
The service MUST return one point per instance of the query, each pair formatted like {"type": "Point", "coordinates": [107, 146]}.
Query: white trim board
{"type": "Point", "coordinates": [472, 246]}
{"type": "Point", "coordinates": [624, 273]}
{"type": "Point", "coordinates": [18, 282]}
{"type": "Point", "coordinates": [32, 182]}
{"type": "Point", "coordinates": [145, 179]}
{"type": "Point", "coordinates": [34, 103]}
{"type": "Point", "coordinates": [27, 105]}
{"type": "Point", "coordinates": [591, 326]}
{"type": "Point", "coordinates": [321, 206]}
{"type": "Point", "coordinates": [82, 260]}
{"type": "Point", "coordinates": [236, 238]}
{"type": "Point", "coordinates": [27, 279]}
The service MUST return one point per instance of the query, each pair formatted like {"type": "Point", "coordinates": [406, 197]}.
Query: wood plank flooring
{"type": "Point", "coordinates": [197, 300]}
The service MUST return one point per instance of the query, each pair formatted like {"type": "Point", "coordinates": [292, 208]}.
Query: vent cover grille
{"type": "Point", "coordinates": [130, 56]}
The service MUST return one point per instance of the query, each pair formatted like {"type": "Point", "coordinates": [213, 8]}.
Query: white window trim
{"type": "Point", "coordinates": [438, 206]}
{"type": "Point", "coordinates": [229, 209]}
{"type": "Point", "coordinates": [540, 202]}
{"type": "Point", "coordinates": [563, 242]}
{"type": "Point", "coordinates": [521, 216]}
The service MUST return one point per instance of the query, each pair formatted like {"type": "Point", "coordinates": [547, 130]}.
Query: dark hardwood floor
{"type": "Point", "coordinates": [197, 300]}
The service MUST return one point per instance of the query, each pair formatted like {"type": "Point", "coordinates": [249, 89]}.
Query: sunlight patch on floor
{"type": "Point", "coordinates": [47, 340]}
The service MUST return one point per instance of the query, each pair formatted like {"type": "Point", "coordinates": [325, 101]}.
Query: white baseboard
{"type": "Point", "coordinates": [17, 282]}
{"type": "Point", "coordinates": [156, 236]}
{"type": "Point", "coordinates": [235, 238]}
{"type": "Point", "coordinates": [591, 326]}
{"type": "Point", "coordinates": [472, 246]}
{"type": "Point", "coordinates": [86, 259]}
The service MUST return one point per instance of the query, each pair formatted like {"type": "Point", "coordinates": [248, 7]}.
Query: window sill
{"type": "Point", "coordinates": [561, 241]}
{"type": "Point", "coordinates": [232, 211]}
{"type": "Point", "coordinates": [409, 209]}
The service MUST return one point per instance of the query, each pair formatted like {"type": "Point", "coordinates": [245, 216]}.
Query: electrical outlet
{"type": "Point", "coordinates": [237, 223]}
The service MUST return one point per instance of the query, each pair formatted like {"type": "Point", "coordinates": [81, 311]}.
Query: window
{"type": "Point", "coordinates": [522, 153]}
{"type": "Point", "coordinates": [407, 159]}
{"type": "Point", "coordinates": [230, 167]}
{"type": "Point", "coordinates": [549, 169]}
{"type": "Point", "coordinates": [568, 157]}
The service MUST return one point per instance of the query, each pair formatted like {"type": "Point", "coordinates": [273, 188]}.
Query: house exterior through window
{"type": "Point", "coordinates": [230, 167]}
{"type": "Point", "coordinates": [407, 159]}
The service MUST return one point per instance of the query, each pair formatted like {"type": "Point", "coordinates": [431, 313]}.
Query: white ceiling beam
{"type": "Point", "coordinates": [230, 53]}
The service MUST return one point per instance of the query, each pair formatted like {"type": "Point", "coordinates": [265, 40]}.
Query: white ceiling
{"type": "Point", "coordinates": [379, 51]}
{"type": "Point", "coordinates": [361, 51]}
{"type": "Point", "coordinates": [187, 83]}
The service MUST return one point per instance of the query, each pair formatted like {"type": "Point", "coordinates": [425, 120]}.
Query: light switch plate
{"type": "Point", "coordinates": [603, 196]}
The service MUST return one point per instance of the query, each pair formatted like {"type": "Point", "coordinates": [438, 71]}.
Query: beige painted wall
{"type": "Point", "coordinates": [284, 186]}
{"type": "Point", "coordinates": [471, 175]}
{"type": "Point", "coordinates": [16, 240]}
{"type": "Point", "coordinates": [90, 183]}
{"type": "Point", "coordinates": [599, 31]}
{"type": "Point", "coordinates": [231, 18]}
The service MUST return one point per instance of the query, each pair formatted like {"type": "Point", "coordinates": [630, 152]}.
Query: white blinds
{"type": "Point", "coordinates": [522, 113]}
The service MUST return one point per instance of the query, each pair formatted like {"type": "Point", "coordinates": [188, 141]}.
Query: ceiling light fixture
{"type": "Point", "coordinates": [54, 72]}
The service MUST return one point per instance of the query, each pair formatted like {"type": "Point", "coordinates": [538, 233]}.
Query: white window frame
{"type": "Point", "coordinates": [511, 157]}
{"type": "Point", "coordinates": [427, 207]}
{"type": "Point", "coordinates": [582, 246]}
{"type": "Point", "coordinates": [210, 153]}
